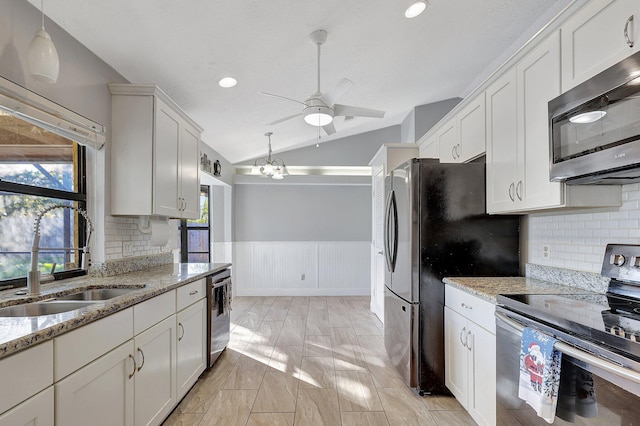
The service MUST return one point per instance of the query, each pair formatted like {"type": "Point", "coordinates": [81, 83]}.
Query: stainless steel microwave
{"type": "Point", "coordinates": [595, 128]}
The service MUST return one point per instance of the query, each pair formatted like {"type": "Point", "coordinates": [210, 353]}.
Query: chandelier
{"type": "Point", "coordinates": [270, 167]}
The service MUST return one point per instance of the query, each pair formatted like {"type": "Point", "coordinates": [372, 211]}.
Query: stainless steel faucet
{"type": "Point", "coordinates": [33, 278]}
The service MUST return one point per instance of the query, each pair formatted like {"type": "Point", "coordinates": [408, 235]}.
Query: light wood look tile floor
{"type": "Point", "coordinates": [308, 361]}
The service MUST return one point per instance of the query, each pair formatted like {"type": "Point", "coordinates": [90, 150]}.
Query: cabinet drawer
{"type": "Point", "coordinates": [153, 311]}
{"type": "Point", "coordinates": [79, 347]}
{"type": "Point", "coordinates": [477, 310]}
{"type": "Point", "coordinates": [190, 293]}
{"type": "Point", "coordinates": [31, 371]}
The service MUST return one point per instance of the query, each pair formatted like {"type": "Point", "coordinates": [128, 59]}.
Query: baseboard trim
{"type": "Point", "coordinates": [302, 292]}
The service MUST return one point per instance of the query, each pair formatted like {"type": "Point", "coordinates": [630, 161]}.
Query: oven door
{"type": "Point", "coordinates": [612, 399]}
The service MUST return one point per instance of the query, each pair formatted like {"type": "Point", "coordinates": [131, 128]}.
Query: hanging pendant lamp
{"type": "Point", "coordinates": [42, 56]}
{"type": "Point", "coordinates": [270, 167]}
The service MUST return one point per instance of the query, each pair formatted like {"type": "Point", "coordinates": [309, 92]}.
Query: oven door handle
{"type": "Point", "coordinates": [578, 354]}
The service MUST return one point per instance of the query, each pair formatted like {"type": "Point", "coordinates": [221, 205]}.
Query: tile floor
{"type": "Point", "coordinates": [308, 361]}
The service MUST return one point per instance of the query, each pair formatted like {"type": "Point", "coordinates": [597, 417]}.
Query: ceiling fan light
{"type": "Point", "coordinates": [318, 119]}
{"type": "Point", "coordinates": [415, 9]}
{"type": "Point", "coordinates": [42, 58]}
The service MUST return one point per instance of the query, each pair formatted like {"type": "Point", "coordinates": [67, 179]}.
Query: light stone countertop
{"type": "Point", "coordinates": [18, 333]}
{"type": "Point", "coordinates": [488, 288]}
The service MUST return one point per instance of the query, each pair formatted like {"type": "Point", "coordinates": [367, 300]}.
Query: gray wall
{"type": "Point", "coordinates": [227, 168]}
{"type": "Point", "coordinates": [426, 116]}
{"type": "Point", "coordinates": [302, 213]}
{"type": "Point", "coordinates": [356, 150]}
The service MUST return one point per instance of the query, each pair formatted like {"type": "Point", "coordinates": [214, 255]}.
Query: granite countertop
{"type": "Point", "coordinates": [488, 288]}
{"type": "Point", "coordinates": [18, 333]}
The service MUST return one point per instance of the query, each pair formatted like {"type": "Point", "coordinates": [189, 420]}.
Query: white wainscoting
{"type": "Point", "coordinates": [302, 268]}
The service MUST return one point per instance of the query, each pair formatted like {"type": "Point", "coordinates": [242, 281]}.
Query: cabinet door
{"type": "Point", "coordinates": [455, 353]}
{"type": "Point", "coordinates": [155, 383]}
{"type": "Point", "coordinates": [431, 148]}
{"type": "Point", "coordinates": [449, 143]}
{"type": "Point", "coordinates": [502, 152]}
{"type": "Point", "coordinates": [37, 410]}
{"type": "Point", "coordinates": [593, 39]}
{"type": "Point", "coordinates": [189, 172]}
{"type": "Point", "coordinates": [166, 154]}
{"type": "Point", "coordinates": [191, 358]}
{"type": "Point", "coordinates": [377, 246]}
{"type": "Point", "coordinates": [471, 130]}
{"type": "Point", "coordinates": [538, 76]}
{"type": "Point", "coordinates": [482, 375]}
{"type": "Point", "coordinates": [99, 394]}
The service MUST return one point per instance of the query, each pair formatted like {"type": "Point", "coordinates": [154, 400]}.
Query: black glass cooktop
{"type": "Point", "coordinates": [600, 318]}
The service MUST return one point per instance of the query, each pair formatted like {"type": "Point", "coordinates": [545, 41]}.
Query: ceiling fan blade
{"type": "Point", "coordinates": [284, 119]}
{"type": "Point", "coordinates": [353, 111]}
{"type": "Point", "coordinates": [329, 128]}
{"type": "Point", "coordinates": [332, 96]}
{"type": "Point", "coordinates": [281, 97]}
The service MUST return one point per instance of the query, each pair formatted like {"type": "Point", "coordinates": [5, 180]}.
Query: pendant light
{"type": "Point", "coordinates": [42, 56]}
{"type": "Point", "coordinates": [270, 167]}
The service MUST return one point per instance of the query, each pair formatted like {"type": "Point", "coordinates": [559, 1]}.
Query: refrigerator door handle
{"type": "Point", "coordinates": [394, 209]}
{"type": "Point", "coordinates": [387, 250]}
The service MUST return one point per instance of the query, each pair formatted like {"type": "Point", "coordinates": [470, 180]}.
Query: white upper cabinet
{"type": "Point", "coordinates": [463, 138]}
{"type": "Point", "coordinates": [518, 139]}
{"type": "Point", "coordinates": [430, 148]}
{"type": "Point", "coordinates": [471, 130]}
{"type": "Point", "coordinates": [502, 152]}
{"type": "Point", "coordinates": [155, 154]}
{"type": "Point", "coordinates": [599, 35]}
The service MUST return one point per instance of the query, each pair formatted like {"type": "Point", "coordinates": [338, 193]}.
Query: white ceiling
{"type": "Point", "coordinates": [185, 47]}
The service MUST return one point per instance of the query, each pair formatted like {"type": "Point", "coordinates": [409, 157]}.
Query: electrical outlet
{"type": "Point", "coordinates": [127, 248]}
{"type": "Point", "coordinates": [302, 277]}
{"type": "Point", "coordinates": [546, 251]}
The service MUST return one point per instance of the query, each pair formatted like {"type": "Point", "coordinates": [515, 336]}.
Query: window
{"type": "Point", "coordinates": [39, 168]}
{"type": "Point", "coordinates": [195, 234]}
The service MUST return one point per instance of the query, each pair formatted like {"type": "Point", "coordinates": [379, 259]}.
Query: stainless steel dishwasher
{"type": "Point", "coordinates": [219, 313]}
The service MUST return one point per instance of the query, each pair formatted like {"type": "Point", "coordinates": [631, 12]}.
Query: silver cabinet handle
{"type": "Point", "coordinates": [380, 252]}
{"type": "Point", "coordinates": [141, 364]}
{"type": "Point", "coordinates": [453, 152]}
{"type": "Point", "coordinates": [458, 151]}
{"type": "Point", "coordinates": [626, 31]}
{"type": "Point", "coordinates": [461, 333]}
{"type": "Point", "coordinates": [466, 340]}
{"type": "Point", "coordinates": [511, 187]}
{"type": "Point", "coordinates": [519, 190]}
{"type": "Point", "coordinates": [464, 305]}
{"type": "Point", "coordinates": [181, 328]}
{"type": "Point", "coordinates": [193, 293]}
{"type": "Point", "coordinates": [134, 365]}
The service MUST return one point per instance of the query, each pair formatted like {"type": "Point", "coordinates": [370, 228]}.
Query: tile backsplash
{"type": "Point", "coordinates": [576, 240]}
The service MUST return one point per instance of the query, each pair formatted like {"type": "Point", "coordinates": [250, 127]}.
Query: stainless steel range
{"type": "Point", "coordinates": [599, 336]}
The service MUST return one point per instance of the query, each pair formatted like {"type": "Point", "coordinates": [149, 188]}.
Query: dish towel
{"type": "Point", "coordinates": [539, 373]}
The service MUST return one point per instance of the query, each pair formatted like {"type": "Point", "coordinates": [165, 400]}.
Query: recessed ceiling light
{"type": "Point", "coordinates": [228, 82]}
{"type": "Point", "coordinates": [415, 9]}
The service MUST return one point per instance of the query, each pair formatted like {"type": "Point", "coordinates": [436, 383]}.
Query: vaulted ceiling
{"type": "Point", "coordinates": [186, 47]}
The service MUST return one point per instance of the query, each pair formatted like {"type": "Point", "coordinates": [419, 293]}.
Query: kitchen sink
{"type": "Point", "coordinates": [41, 308]}
{"type": "Point", "coordinates": [97, 294]}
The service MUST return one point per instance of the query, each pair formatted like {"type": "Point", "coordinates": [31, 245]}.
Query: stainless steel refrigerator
{"type": "Point", "coordinates": [436, 227]}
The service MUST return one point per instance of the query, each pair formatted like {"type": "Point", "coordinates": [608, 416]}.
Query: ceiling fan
{"type": "Point", "coordinates": [320, 108]}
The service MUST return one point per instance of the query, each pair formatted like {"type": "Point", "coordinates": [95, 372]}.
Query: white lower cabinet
{"type": "Point", "coordinates": [154, 384]}
{"type": "Point", "coordinates": [470, 355]}
{"type": "Point", "coordinates": [149, 364]}
{"type": "Point", "coordinates": [191, 350]}
{"type": "Point", "coordinates": [35, 411]}
{"type": "Point", "coordinates": [100, 393]}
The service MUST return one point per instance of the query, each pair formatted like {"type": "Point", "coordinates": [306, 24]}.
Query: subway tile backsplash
{"type": "Point", "coordinates": [577, 239]}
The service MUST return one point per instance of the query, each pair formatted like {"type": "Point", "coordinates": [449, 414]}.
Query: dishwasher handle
{"type": "Point", "coordinates": [578, 354]}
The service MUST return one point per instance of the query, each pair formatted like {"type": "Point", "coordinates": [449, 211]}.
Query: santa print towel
{"type": "Point", "coordinates": [539, 373]}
